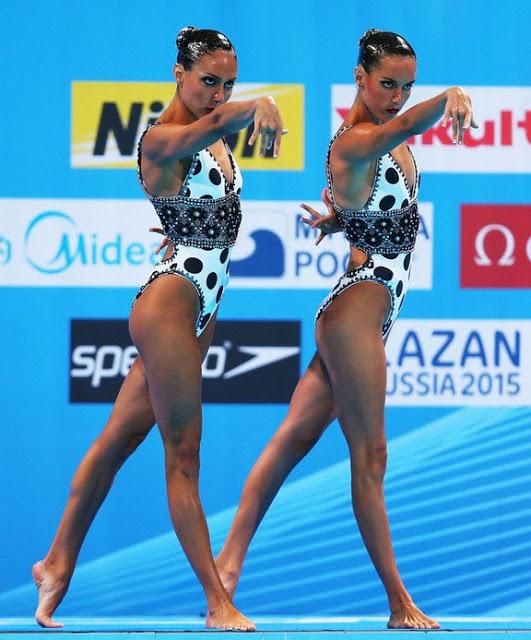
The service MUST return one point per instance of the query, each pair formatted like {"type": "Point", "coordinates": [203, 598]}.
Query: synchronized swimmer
{"type": "Point", "coordinates": [190, 176]}
{"type": "Point", "coordinates": [371, 196]}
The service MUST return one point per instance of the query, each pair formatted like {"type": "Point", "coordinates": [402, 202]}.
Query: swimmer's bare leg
{"type": "Point", "coordinates": [310, 412]}
{"type": "Point", "coordinates": [129, 423]}
{"type": "Point", "coordinates": [351, 346]}
{"type": "Point", "coordinates": [171, 305]}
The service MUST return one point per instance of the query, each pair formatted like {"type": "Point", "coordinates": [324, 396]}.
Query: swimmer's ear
{"type": "Point", "coordinates": [359, 75]}
{"type": "Point", "coordinates": [178, 73]}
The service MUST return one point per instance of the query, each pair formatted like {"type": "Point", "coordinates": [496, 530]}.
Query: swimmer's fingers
{"type": "Point", "coordinates": [263, 147]}
{"type": "Point", "coordinates": [464, 118]}
{"type": "Point", "coordinates": [453, 117]}
{"type": "Point", "coordinates": [458, 109]}
{"type": "Point", "coordinates": [162, 246]}
{"type": "Point", "coordinates": [267, 125]}
{"type": "Point", "coordinates": [452, 96]}
{"type": "Point", "coordinates": [267, 137]}
{"type": "Point", "coordinates": [455, 126]}
{"type": "Point", "coordinates": [164, 242]}
{"type": "Point", "coordinates": [254, 134]}
{"type": "Point", "coordinates": [331, 220]}
{"type": "Point", "coordinates": [313, 212]}
{"type": "Point", "coordinates": [316, 224]}
{"type": "Point", "coordinates": [270, 136]}
{"type": "Point", "coordinates": [278, 138]}
{"type": "Point", "coordinates": [460, 129]}
{"type": "Point", "coordinates": [446, 116]}
{"type": "Point", "coordinates": [322, 235]}
{"type": "Point", "coordinates": [320, 221]}
{"type": "Point", "coordinates": [469, 120]}
{"type": "Point", "coordinates": [326, 224]}
{"type": "Point", "coordinates": [266, 141]}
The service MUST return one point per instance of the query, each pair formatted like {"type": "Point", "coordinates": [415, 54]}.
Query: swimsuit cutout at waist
{"type": "Point", "coordinates": [388, 223]}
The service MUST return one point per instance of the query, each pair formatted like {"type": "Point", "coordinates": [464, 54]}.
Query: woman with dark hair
{"type": "Point", "coordinates": [371, 196]}
{"type": "Point", "coordinates": [189, 174]}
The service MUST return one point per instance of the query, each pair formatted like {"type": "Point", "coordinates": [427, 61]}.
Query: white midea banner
{"type": "Point", "coordinates": [92, 243]}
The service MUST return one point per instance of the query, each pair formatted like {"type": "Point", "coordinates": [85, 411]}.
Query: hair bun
{"type": "Point", "coordinates": [369, 33]}
{"type": "Point", "coordinates": [183, 37]}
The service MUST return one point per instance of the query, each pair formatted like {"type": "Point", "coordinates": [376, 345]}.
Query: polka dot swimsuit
{"type": "Point", "coordinates": [385, 229]}
{"type": "Point", "coordinates": [202, 221]}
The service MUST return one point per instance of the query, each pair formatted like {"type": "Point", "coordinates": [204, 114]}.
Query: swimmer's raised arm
{"type": "Point", "coordinates": [169, 142]}
{"type": "Point", "coordinates": [367, 141]}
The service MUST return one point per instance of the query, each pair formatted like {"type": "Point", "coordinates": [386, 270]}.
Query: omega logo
{"type": "Point", "coordinates": [481, 258]}
{"type": "Point", "coordinates": [507, 259]}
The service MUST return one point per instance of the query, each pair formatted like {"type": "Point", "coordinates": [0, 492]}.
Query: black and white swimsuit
{"type": "Point", "coordinates": [202, 222]}
{"type": "Point", "coordinates": [385, 229]}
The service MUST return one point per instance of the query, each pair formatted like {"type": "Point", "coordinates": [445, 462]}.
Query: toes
{"type": "Point", "coordinates": [47, 622]}
{"type": "Point", "coordinates": [412, 622]}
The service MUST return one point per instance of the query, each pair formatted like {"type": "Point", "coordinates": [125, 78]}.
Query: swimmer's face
{"type": "Point", "coordinates": [386, 88]}
{"type": "Point", "coordinates": [208, 83]}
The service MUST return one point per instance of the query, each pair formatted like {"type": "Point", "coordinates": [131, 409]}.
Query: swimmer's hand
{"type": "Point", "coordinates": [267, 125]}
{"type": "Point", "coordinates": [164, 243]}
{"type": "Point", "coordinates": [458, 109]}
{"type": "Point", "coordinates": [326, 224]}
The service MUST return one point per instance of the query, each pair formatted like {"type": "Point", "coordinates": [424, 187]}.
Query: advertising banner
{"type": "Point", "coordinates": [495, 246]}
{"type": "Point", "coordinates": [500, 144]}
{"type": "Point", "coordinates": [108, 119]}
{"type": "Point", "coordinates": [459, 363]}
{"type": "Point", "coordinates": [101, 243]}
{"type": "Point", "coordinates": [249, 361]}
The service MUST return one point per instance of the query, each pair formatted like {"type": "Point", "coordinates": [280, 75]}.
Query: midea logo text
{"type": "Point", "coordinates": [54, 242]}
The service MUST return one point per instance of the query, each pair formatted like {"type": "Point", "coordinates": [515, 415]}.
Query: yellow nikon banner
{"type": "Point", "coordinates": [109, 117]}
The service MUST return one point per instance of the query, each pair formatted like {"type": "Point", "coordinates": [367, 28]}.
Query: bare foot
{"type": "Point", "coordinates": [51, 592]}
{"type": "Point", "coordinates": [229, 578]}
{"type": "Point", "coordinates": [225, 616]}
{"type": "Point", "coordinates": [408, 616]}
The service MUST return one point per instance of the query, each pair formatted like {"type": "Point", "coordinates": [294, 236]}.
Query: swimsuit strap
{"type": "Point", "coordinates": [327, 164]}
{"type": "Point", "coordinates": [186, 180]}
{"type": "Point", "coordinates": [139, 156]}
{"type": "Point", "coordinates": [232, 163]}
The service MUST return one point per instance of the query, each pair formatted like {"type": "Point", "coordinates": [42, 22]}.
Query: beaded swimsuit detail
{"type": "Point", "coordinates": [202, 221]}
{"type": "Point", "coordinates": [211, 215]}
{"type": "Point", "coordinates": [381, 228]}
{"type": "Point", "coordinates": [384, 232]}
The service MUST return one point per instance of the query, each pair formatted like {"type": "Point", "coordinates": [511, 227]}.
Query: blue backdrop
{"type": "Point", "coordinates": [461, 454]}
